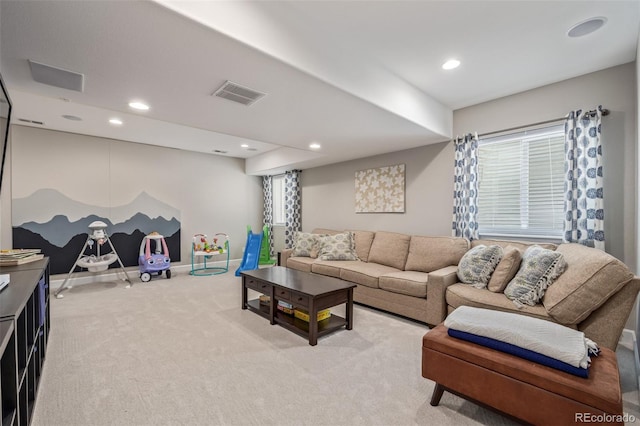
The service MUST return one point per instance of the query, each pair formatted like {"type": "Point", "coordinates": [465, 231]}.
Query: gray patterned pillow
{"type": "Point", "coordinates": [477, 264]}
{"type": "Point", "coordinates": [305, 244]}
{"type": "Point", "coordinates": [338, 247]}
{"type": "Point", "coordinates": [539, 268]}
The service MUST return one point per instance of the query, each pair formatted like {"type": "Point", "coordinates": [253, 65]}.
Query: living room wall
{"type": "Point", "coordinates": [212, 193]}
{"type": "Point", "coordinates": [328, 193]}
{"type": "Point", "coordinates": [5, 200]}
{"type": "Point", "coordinates": [614, 89]}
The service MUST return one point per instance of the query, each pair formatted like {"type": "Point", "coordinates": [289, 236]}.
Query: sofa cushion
{"type": "Point", "coordinates": [520, 245]}
{"type": "Point", "coordinates": [363, 241]}
{"type": "Point", "coordinates": [427, 254]}
{"type": "Point", "coordinates": [506, 269]}
{"type": "Point", "coordinates": [330, 267]}
{"type": "Point", "coordinates": [411, 283]}
{"type": "Point", "coordinates": [538, 269]}
{"type": "Point", "coordinates": [300, 263]}
{"type": "Point", "coordinates": [364, 273]}
{"type": "Point", "coordinates": [465, 295]}
{"type": "Point", "coordinates": [337, 247]}
{"type": "Point", "coordinates": [390, 249]}
{"type": "Point", "coordinates": [477, 264]}
{"type": "Point", "coordinates": [591, 278]}
{"type": "Point", "coordinates": [305, 244]}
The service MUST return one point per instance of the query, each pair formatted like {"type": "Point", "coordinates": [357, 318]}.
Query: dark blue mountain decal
{"type": "Point", "coordinates": [58, 231]}
{"type": "Point", "coordinates": [61, 259]}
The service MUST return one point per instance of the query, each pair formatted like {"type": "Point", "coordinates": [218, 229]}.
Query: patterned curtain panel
{"type": "Point", "coordinates": [465, 189]}
{"type": "Point", "coordinates": [583, 202]}
{"type": "Point", "coordinates": [267, 190]}
{"type": "Point", "coordinates": [293, 206]}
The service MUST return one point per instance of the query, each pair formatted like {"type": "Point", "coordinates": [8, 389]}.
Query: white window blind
{"type": "Point", "coordinates": [521, 184]}
{"type": "Point", "coordinates": [278, 187]}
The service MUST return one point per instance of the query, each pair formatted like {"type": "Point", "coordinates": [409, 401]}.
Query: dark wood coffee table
{"type": "Point", "coordinates": [304, 290]}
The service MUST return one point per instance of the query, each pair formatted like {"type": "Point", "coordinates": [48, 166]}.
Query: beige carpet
{"type": "Point", "coordinates": [181, 351]}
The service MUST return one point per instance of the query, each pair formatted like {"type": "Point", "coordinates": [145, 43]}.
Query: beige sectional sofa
{"type": "Point", "coordinates": [416, 277]}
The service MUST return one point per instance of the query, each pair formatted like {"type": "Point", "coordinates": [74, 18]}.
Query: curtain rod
{"type": "Point", "coordinates": [605, 112]}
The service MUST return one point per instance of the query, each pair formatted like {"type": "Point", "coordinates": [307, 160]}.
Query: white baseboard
{"type": "Point", "coordinates": [628, 340]}
{"type": "Point", "coordinates": [80, 278]}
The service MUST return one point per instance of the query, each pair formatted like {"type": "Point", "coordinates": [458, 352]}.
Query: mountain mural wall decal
{"type": "Point", "coordinates": [61, 234]}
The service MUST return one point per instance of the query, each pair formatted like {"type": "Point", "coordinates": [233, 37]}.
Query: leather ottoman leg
{"type": "Point", "coordinates": [438, 390]}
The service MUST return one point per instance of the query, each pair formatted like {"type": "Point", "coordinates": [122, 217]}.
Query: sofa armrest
{"type": "Point", "coordinates": [284, 256]}
{"type": "Point", "coordinates": [437, 284]}
{"type": "Point", "coordinates": [604, 325]}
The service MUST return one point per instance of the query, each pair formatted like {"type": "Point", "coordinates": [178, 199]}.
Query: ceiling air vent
{"type": "Point", "coordinates": [237, 93]}
{"type": "Point", "coordinates": [58, 77]}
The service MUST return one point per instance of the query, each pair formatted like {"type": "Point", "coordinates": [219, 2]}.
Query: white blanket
{"type": "Point", "coordinates": [545, 337]}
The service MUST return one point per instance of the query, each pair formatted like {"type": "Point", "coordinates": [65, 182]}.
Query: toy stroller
{"type": "Point", "coordinates": [154, 263]}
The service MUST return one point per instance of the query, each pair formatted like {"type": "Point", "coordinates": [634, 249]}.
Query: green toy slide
{"type": "Point", "coordinates": [265, 256]}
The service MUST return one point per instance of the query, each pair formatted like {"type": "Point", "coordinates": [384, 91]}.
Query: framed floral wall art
{"type": "Point", "coordinates": [380, 190]}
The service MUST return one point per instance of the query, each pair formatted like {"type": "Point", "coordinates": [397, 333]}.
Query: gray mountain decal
{"type": "Point", "coordinates": [44, 204]}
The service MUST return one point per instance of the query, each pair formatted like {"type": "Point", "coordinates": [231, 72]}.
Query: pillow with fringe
{"type": "Point", "coordinates": [477, 265]}
{"type": "Point", "coordinates": [538, 269]}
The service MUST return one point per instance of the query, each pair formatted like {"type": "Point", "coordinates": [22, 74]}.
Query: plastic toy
{"type": "Point", "coordinates": [205, 248]}
{"type": "Point", "coordinates": [95, 262]}
{"type": "Point", "coordinates": [251, 255]}
{"type": "Point", "coordinates": [157, 262]}
{"type": "Point", "coordinates": [265, 252]}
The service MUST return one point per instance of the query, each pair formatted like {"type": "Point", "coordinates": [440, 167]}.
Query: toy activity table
{"type": "Point", "coordinates": [207, 249]}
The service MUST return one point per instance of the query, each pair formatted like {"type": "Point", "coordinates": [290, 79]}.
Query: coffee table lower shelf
{"type": "Point", "coordinates": [296, 325]}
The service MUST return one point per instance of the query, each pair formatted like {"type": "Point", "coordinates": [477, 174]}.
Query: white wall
{"type": "Point", "coordinates": [636, 317]}
{"type": "Point", "coordinates": [212, 192]}
{"type": "Point", "coordinates": [5, 200]}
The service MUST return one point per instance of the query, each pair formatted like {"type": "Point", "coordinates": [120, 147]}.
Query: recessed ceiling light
{"type": "Point", "coordinates": [139, 105]}
{"type": "Point", "coordinates": [586, 27]}
{"type": "Point", "coordinates": [451, 64]}
{"type": "Point", "coordinates": [244, 145]}
{"type": "Point", "coordinates": [72, 117]}
{"type": "Point", "coordinates": [314, 145]}
{"type": "Point", "coordinates": [115, 121]}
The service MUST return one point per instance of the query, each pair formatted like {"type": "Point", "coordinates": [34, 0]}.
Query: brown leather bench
{"type": "Point", "coordinates": [522, 389]}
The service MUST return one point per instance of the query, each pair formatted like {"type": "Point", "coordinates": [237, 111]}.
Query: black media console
{"type": "Point", "coordinates": [24, 332]}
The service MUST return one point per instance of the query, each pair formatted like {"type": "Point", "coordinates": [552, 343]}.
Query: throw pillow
{"type": "Point", "coordinates": [337, 247]}
{"type": "Point", "coordinates": [539, 268]}
{"type": "Point", "coordinates": [477, 264]}
{"type": "Point", "coordinates": [305, 244]}
{"type": "Point", "coordinates": [506, 269]}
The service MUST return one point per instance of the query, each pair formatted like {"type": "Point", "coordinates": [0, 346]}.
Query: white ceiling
{"type": "Point", "coordinates": [359, 77]}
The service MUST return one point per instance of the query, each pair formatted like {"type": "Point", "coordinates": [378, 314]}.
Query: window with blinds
{"type": "Point", "coordinates": [521, 184]}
